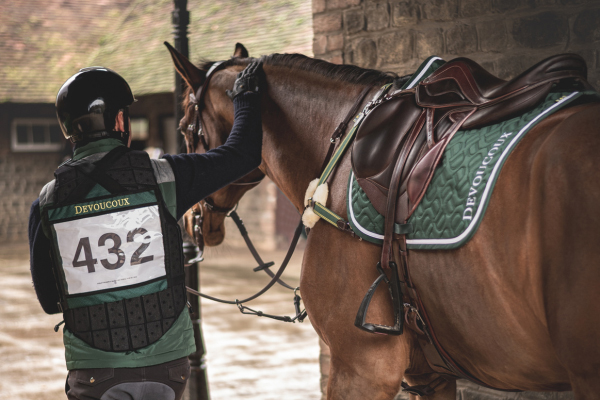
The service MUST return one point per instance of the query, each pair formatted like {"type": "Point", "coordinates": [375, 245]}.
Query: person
{"type": "Point", "coordinates": [105, 247]}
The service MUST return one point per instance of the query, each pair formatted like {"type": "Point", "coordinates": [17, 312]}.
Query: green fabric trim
{"type": "Point", "coordinates": [425, 69]}
{"type": "Point", "coordinates": [455, 202]}
{"type": "Point", "coordinates": [129, 293]}
{"type": "Point", "coordinates": [337, 155]}
{"type": "Point", "coordinates": [168, 190]}
{"type": "Point", "coordinates": [441, 219]}
{"type": "Point", "coordinates": [99, 146]}
{"type": "Point", "coordinates": [176, 343]}
{"type": "Point", "coordinates": [97, 191]}
{"type": "Point", "coordinates": [98, 206]}
{"type": "Point", "coordinates": [344, 145]}
{"type": "Point", "coordinates": [326, 214]}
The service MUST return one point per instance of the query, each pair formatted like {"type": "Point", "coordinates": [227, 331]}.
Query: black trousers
{"type": "Point", "coordinates": [157, 382]}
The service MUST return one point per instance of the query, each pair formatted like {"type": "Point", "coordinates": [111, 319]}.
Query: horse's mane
{"type": "Point", "coordinates": [345, 73]}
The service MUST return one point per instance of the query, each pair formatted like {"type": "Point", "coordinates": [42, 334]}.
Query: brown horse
{"type": "Point", "coordinates": [516, 306]}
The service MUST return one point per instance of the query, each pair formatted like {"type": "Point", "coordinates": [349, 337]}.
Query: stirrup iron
{"type": "Point", "coordinates": [396, 295]}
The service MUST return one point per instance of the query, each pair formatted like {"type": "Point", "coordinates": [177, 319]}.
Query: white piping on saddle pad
{"type": "Point", "coordinates": [354, 221]}
{"type": "Point", "coordinates": [484, 196]}
{"type": "Point", "coordinates": [318, 193]}
{"type": "Point", "coordinates": [492, 177]}
{"type": "Point", "coordinates": [416, 80]}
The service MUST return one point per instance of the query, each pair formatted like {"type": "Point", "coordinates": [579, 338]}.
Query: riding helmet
{"type": "Point", "coordinates": [88, 103]}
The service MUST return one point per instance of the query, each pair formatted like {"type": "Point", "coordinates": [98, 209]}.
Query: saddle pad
{"type": "Point", "coordinates": [458, 195]}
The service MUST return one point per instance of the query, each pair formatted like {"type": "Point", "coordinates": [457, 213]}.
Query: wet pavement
{"type": "Point", "coordinates": [247, 357]}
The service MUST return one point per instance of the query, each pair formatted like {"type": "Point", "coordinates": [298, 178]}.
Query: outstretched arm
{"type": "Point", "coordinates": [199, 175]}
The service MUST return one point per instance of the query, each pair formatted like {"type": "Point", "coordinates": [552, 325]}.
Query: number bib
{"type": "Point", "coordinates": [109, 243]}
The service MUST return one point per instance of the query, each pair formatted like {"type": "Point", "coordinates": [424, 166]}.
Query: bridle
{"type": "Point", "coordinates": [192, 139]}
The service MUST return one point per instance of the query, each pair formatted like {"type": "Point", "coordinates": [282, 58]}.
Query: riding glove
{"type": "Point", "coordinates": [249, 80]}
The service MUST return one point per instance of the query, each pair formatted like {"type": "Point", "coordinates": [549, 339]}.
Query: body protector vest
{"type": "Point", "coordinates": [110, 248]}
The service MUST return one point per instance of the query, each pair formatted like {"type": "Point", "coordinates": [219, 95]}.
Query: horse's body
{"type": "Point", "coordinates": [516, 306]}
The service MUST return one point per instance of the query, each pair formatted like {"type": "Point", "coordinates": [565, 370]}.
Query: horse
{"type": "Point", "coordinates": [515, 306]}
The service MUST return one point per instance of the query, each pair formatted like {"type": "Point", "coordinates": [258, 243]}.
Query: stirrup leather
{"type": "Point", "coordinates": [396, 295]}
{"type": "Point", "coordinates": [426, 390]}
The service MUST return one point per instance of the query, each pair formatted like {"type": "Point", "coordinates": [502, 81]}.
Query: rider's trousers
{"type": "Point", "coordinates": [157, 382]}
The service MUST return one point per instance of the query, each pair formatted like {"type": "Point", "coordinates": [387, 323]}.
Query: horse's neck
{"type": "Point", "coordinates": [299, 117]}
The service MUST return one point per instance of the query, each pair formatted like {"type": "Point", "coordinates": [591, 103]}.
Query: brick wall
{"type": "Point", "coordinates": [505, 36]}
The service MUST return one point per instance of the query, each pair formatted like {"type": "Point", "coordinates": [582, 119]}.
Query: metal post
{"type": "Point", "coordinates": [197, 388]}
{"type": "Point", "coordinates": [180, 18]}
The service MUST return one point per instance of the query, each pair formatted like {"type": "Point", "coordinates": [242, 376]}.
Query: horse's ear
{"type": "Point", "coordinates": [193, 75]}
{"type": "Point", "coordinates": [240, 51]}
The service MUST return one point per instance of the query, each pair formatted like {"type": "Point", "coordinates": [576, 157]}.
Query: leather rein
{"type": "Point", "coordinates": [209, 205]}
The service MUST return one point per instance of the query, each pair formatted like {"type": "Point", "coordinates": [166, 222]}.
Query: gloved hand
{"type": "Point", "coordinates": [249, 80]}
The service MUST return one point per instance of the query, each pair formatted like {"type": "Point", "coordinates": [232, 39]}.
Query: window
{"type": "Point", "coordinates": [36, 134]}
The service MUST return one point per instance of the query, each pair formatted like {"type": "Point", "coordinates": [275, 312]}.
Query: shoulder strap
{"type": "Point", "coordinates": [96, 174]}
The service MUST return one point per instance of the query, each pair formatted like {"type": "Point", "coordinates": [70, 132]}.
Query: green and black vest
{"type": "Point", "coordinates": [118, 261]}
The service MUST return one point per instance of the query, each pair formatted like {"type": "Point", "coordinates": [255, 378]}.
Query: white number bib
{"type": "Point", "coordinates": [108, 251]}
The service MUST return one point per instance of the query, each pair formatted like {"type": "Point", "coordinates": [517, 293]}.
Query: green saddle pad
{"type": "Point", "coordinates": [461, 187]}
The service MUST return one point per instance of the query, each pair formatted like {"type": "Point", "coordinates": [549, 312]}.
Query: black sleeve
{"type": "Point", "coordinates": [199, 175]}
{"type": "Point", "coordinates": [40, 259]}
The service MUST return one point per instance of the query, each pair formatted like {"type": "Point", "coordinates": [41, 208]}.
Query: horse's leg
{"type": "Point", "coordinates": [336, 273]}
{"type": "Point", "coordinates": [567, 168]}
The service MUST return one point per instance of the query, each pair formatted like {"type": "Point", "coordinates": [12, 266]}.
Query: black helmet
{"type": "Point", "coordinates": [88, 103]}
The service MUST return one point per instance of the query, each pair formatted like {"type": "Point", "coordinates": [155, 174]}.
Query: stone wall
{"type": "Point", "coordinates": [22, 176]}
{"type": "Point", "coordinates": [504, 36]}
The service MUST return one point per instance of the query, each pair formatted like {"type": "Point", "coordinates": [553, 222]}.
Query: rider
{"type": "Point", "coordinates": [105, 247]}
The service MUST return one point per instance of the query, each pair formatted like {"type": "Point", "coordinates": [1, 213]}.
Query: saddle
{"type": "Point", "coordinates": [397, 148]}
{"type": "Point", "coordinates": [410, 129]}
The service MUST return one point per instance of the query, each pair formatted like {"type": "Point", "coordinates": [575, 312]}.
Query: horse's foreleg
{"type": "Point", "coordinates": [348, 382]}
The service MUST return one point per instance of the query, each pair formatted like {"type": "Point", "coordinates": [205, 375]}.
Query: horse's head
{"type": "Point", "coordinates": [207, 121]}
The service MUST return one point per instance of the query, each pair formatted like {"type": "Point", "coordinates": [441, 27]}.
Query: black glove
{"type": "Point", "coordinates": [249, 80]}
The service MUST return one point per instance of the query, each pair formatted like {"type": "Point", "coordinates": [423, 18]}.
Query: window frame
{"type": "Point", "coordinates": [30, 146]}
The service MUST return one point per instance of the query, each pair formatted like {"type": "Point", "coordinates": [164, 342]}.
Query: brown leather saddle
{"type": "Point", "coordinates": [394, 156]}
{"type": "Point", "coordinates": [410, 130]}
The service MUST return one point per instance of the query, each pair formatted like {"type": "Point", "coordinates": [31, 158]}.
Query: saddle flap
{"type": "Point", "coordinates": [423, 171]}
{"type": "Point", "coordinates": [380, 135]}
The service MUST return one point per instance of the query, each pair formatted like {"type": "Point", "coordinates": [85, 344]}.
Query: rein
{"type": "Point", "coordinates": [231, 212]}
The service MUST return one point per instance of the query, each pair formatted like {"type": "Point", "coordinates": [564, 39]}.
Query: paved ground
{"type": "Point", "coordinates": [248, 357]}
